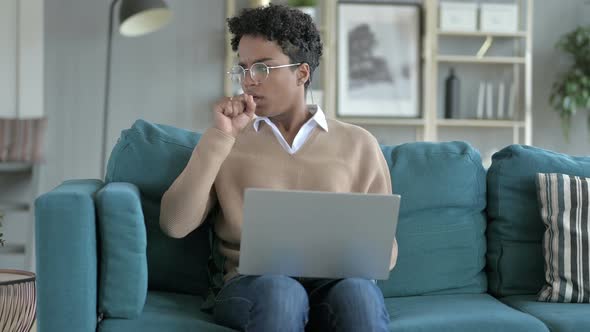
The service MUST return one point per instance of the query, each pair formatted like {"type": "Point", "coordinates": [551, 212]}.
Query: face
{"type": "Point", "coordinates": [283, 87]}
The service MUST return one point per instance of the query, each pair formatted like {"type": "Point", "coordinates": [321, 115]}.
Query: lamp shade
{"type": "Point", "coordinates": [140, 17]}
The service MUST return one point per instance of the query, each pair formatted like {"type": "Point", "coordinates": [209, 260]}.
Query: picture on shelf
{"type": "Point", "coordinates": [378, 59]}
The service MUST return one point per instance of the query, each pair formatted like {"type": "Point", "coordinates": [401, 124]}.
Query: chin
{"type": "Point", "coordinates": [261, 111]}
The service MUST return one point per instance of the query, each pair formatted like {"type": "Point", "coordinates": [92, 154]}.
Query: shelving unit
{"type": "Point", "coordinates": [16, 204]}
{"type": "Point", "coordinates": [521, 60]}
{"type": "Point", "coordinates": [21, 98]}
{"type": "Point", "coordinates": [428, 125]}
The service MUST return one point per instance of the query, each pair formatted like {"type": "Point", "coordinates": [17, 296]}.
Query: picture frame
{"type": "Point", "coordinates": [379, 65]}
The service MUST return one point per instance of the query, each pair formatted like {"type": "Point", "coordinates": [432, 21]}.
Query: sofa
{"type": "Point", "coordinates": [470, 250]}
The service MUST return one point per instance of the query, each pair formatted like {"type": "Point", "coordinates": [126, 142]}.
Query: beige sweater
{"type": "Point", "coordinates": [345, 158]}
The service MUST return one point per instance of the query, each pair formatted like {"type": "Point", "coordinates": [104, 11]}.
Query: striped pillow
{"type": "Point", "coordinates": [565, 209]}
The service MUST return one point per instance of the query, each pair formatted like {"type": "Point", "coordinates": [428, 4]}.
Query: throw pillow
{"type": "Point", "coordinates": [565, 210]}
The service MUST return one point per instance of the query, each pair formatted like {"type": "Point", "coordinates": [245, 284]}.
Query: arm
{"type": "Point", "coordinates": [186, 203]}
{"type": "Point", "coordinates": [380, 183]}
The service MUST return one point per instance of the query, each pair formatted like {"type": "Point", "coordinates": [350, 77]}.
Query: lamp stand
{"type": "Point", "coordinates": [107, 84]}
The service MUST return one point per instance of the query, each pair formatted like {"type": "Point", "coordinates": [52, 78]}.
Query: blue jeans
{"type": "Point", "coordinates": [279, 303]}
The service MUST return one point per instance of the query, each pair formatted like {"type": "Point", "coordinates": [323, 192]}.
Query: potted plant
{"type": "Point", "coordinates": [306, 6]}
{"type": "Point", "coordinates": [571, 93]}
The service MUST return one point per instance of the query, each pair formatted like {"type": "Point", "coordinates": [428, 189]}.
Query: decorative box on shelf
{"type": "Point", "coordinates": [499, 17]}
{"type": "Point", "coordinates": [458, 16]}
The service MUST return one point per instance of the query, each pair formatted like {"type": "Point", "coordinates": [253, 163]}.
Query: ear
{"type": "Point", "coordinates": [303, 74]}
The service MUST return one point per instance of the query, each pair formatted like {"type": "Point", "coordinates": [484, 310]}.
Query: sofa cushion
{"type": "Point", "coordinates": [559, 317]}
{"type": "Point", "coordinates": [515, 229]}
{"type": "Point", "coordinates": [66, 257]}
{"type": "Point", "coordinates": [441, 223]}
{"type": "Point", "coordinates": [168, 312]}
{"type": "Point", "coordinates": [565, 209]}
{"type": "Point", "coordinates": [123, 264]}
{"type": "Point", "coordinates": [462, 312]}
{"type": "Point", "coordinates": [151, 156]}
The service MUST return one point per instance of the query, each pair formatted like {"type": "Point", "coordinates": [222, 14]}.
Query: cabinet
{"type": "Point", "coordinates": [513, 58]}
{"type": "Point", "coordinates": [22, 121]}
{"type": "Point", "coordinates": [19, 183]}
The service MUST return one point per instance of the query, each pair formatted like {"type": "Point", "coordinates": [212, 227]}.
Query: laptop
{"type": "Point", "coordinates": [313, 234]}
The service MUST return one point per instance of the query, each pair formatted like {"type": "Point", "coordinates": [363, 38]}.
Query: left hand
{"type": "Point", "coordinates": [393, 255]}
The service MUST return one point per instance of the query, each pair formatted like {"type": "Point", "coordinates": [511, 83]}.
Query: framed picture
{"type": "Point", "coordinates": [379, 65]}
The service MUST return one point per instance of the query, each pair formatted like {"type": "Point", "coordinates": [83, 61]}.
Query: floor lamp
{"type": "Point", "coordinates": [136, 18]}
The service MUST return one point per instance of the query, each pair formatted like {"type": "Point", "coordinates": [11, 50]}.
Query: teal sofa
{"type": "Point", "coordinates": [470, 255]}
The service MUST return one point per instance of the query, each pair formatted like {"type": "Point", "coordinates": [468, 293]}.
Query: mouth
{"type": "Point", "coordinates": [257, 98]}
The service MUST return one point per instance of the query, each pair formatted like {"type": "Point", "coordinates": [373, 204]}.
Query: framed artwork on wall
{"type": "Point", "coordinates": [379, 59]}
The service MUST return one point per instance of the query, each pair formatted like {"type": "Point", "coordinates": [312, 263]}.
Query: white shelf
{"type": "Point", "coordinates": [12, 249]}
{"type": "Point", "coordinates": [14, 207]}
{"type": "Point", "coordinates": [479, 123]}
{"type": "Point", "coordinates": [518, 34]}
{"type": "Point", "coordinates": [474, 59]}
{"type": "Point", "coordinates": [383, 121]}
{"type": "Point", "coordinates": [15, 166]}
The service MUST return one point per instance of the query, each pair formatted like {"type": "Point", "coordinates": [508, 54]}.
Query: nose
{"type": "Point", "coordinates": [248, 81]}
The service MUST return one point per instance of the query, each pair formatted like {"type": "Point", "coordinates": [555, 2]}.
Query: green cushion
{"type": "Point", "coordinates": [166, 312]}
{"type": "Point", "coordinates": [442, 221]}
{"type": "Point", "coordinates": [151, 156]}
{"type": "Point", "coordinates": [123, 263]}
{"type": "Point", "coordinates": [515, 230]}
{"type": "Point", "coordinates": [559, 317]}
{"type": "Point", "coordinates": [455, 313]}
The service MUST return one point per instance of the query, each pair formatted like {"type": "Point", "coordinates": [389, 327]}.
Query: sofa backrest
{"type": "Point", "coordinates": [151, 156]}
{"type": "Point", "coordinates": [442, 219]}
{"type": "Point", "coordinates": [515, 230]}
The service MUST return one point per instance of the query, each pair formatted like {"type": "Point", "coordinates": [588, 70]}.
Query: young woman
{"type": "Point", "coordinates": [269, 138]}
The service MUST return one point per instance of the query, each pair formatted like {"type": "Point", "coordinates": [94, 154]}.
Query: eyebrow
{"type": "Point", "coordinates": [255, 61]}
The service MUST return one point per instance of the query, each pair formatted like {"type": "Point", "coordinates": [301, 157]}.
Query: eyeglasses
{"type": "Point", "coordinates": [258, 72]}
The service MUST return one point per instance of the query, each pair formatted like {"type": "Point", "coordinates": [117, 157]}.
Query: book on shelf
{"type": "Point", "coordinates": [501, 88]}
{"type": "Point", "coordinates": [512, 102]}
{"type": "Point", "coordinates": [480, 100]}
{"type": "Point", "coordinates": [489, 101]}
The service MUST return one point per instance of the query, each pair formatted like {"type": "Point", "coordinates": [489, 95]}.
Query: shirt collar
{"type": "Point", "coordinates": [318, 116]}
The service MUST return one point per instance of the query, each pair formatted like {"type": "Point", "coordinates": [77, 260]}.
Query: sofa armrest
{"type": "Point", "coordinates": [123, 275]}
{"type": "Point", "coordinates": [66, 251]}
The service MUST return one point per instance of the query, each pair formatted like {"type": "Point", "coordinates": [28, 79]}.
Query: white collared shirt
{"type": "Point", "coordinates": [318, 119]}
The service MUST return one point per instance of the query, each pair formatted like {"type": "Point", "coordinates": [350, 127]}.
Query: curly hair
{"type": "Point", "coordinates": [293, 30]}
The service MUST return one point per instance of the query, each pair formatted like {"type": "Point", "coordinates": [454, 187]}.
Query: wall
{"type": "Point", "coordinates": [174, 75]}
{"type": "Point", "coordinates": [171, 76]}
{"type": "Point", "coordinates": [555, 19]}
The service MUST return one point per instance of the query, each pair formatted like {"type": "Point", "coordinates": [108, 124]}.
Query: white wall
{"type": "Point", "coordinates": [555, 18]}
{"type": "Point", "coordinates": [171, 76]}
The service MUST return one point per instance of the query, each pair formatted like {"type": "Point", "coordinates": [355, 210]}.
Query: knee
{"type": "Point", "coordinates": [361, 293]}
{"type": "Point", "coordinates": [357, 305]}
{"type": "Point", "coordinates": [280, 295]}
